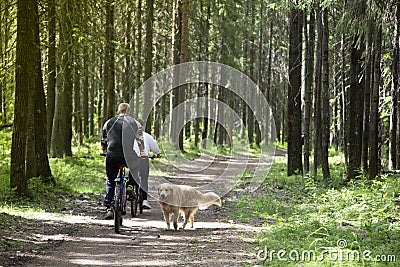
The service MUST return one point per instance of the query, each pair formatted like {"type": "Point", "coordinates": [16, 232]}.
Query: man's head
{"type": "Point", "coordinates": [123, 109]}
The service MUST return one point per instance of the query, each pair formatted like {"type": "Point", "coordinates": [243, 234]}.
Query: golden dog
{"type": "Point", "coordinates": [176, 199]}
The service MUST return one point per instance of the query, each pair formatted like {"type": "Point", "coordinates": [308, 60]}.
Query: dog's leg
{"type": "Point", "coordinates": [187, 216]}
{"type": "Point", "coordinates": [192, 220]}
{"type": "Point", "coordinates": [176, 216]}
{"type": "Point", "coordinates": [167, 218]}
{"type": "Point", "coordinates": [191, 216]}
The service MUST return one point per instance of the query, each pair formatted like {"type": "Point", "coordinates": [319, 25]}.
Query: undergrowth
{"type": "Point", "coordinates": [312, 222]}
{"type": "Point", "coordinates": [84, 173]}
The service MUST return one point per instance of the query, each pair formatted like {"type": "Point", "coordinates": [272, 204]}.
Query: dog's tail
{"type": "Point", "coordinates": [209, 199]}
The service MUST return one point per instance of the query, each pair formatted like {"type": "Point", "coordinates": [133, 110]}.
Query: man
{"type": "Point", "coordinates": [113, 144]}
{"type": "Point", "coordinates": [150, 145]}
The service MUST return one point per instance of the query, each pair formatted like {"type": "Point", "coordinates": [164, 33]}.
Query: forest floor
{"type": "Point", "coordinates": [78, 236]}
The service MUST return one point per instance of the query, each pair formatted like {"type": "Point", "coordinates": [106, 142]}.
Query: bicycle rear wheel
{"type": "Point", "coordinates": [118, 209]}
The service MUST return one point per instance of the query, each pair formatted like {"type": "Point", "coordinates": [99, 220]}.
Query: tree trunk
{"type": "Point", "coordinates": [184, 58]}
{"type": "Point", "coordinates": [3, 48]}
{"type": "Point", "coordinates": [336, 135]}
{"type": "Point", "coordinates": [77, 105]}
{"type": "Point", "coordinates": [294, 94]}
{"type": "Point", "coordinates": [374, 159]}
{"type": "Point", "coordinates": [164, 108]}
{"type": "Point", "coordinates": [138, 59]}
{"type": "Point", "coordinates": [394, 136]}
{"type": "Point", "coordinates": [61, 130]}
{"type": "Point", "coordinates": [317, 96]}
{"type": "Point", "coordinates": [85, 93]}
{"type": "Point", "coordinates": [398, 89]}
{"type": "Point", "coordinates": [29, 96]}
{"type": "Point", "coordinates": [199, 87]}
{"type": "Point", "coordinates": [219, 129]}
{"type": "Point", "coordinates": [175, 53]}
{"type": "Point", "coordinates": [101, 96]}
{"type": "Point", "coordinates": [367, 100]}
{"type": "Point", "coordinates": [6, 56]}
{"type": "Point", "coordinates": [246, 52]}
{"type": "Point", "coordinates": [196, 125]}
{"type": "Point", "coordinates": [126, 88]}
{"type": "Point", "coordinates": [267, 86]}
{"type": "Point", "coordinates": [206, 34]}
{"type": "Point", "coordinates": [26, 20]}
{"type": "Point", "coordinates": [148, 66]}
{"type": "Point", "coordinates": [41, 157]}
{"type": "Point", "coordinates": [355, 113]}
{"type": "Point", "coordinates": [92, 91]}
{"type": "Point", "coordinates": [67, 76]}
{"type": "Point", "coordinates": [51, 69]}
{"type": "Point", "coordinates": [309, 41]}
{"type": "Point", "coordinates": [252, 59]}
{"type": "Point", "coordinates": [260, 81]}
{"type": "Point", "coordinates": [109, 61]}
{"type": "Point", "coordinates": [30, 159]}
{"type": "Point", "coordinates": [57, 135]}
{"type": "Point", "coordinates": [325, 96]}
{"type": "Point", "coordinates": [343, 101]}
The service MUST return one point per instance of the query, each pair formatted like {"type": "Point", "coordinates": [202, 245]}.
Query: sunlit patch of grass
{"type": "Point", "coordinates": [5, 150]}
{"type": "Point", "coordinates": [80, 175]}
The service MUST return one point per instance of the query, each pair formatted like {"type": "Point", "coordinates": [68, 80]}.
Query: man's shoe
{"type": "Point", "coordinates": [109, 214]}
{"type": "Point", "coordinates": [146, 205]}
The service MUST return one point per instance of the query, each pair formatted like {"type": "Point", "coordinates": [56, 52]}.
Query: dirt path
{"type": "Point", "coordinates": [79, 237]}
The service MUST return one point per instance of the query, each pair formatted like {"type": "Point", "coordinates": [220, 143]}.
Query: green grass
{"type": "Point", "coordinates": [80, 174]}
{"type": "Point", "coordinates": [319, 221]}
{"type": "Point", "coordinates": [5, 151]}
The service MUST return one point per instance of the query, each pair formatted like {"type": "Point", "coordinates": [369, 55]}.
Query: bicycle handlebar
{"type": "Point", "coordinates": [154, 156]}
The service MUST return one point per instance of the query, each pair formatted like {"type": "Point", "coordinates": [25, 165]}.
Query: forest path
{"type": "Point", "coordinates": [79, 237]}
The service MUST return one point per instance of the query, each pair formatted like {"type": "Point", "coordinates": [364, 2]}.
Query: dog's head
{"type": "Point", "coordinates": [164, 191]}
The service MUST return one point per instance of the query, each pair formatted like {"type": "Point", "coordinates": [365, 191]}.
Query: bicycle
{"type": "Point", "coordinates": [137, 201]}
{"type": "Point", "coordinates": [120, 197]}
